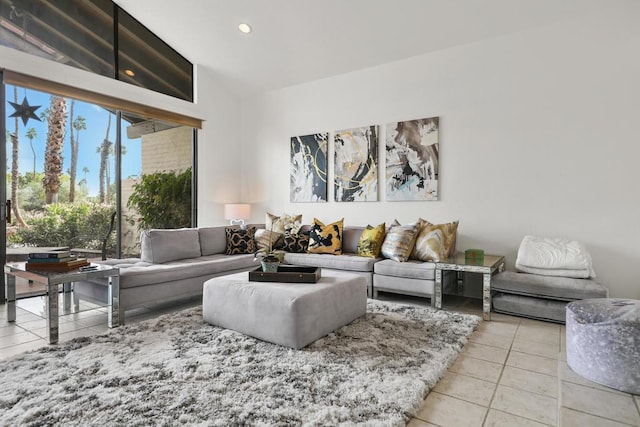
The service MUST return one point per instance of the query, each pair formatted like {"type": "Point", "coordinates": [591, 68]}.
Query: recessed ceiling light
{"type": "Point", "coordinates": [129, 73]}
{"type": "Point", "coordinates": [245, 28]}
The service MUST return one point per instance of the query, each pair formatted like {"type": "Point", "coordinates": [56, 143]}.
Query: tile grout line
{"type": "Point", "coordinates": [495, 390]}
{"type": "Point", "coordinates": [515, 388]}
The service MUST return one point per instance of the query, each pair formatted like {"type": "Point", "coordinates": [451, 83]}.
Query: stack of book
{"type": "Point", "coordinates": [56, 261]}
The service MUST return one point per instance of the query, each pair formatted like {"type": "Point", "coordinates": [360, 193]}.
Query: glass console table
{"type": "Point", "coordinates": [61, 284]}
{"type": "Point", "coordinates": [489, 265]}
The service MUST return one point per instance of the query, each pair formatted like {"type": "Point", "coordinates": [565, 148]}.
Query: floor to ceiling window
{"type": "Point", "coordinates": [68, 171]}
{"type": "Point", "coordinates": [82, 156]}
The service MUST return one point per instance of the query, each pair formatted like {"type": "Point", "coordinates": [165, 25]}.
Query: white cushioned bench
{"type": "Point", "coordinates": [540, 297]}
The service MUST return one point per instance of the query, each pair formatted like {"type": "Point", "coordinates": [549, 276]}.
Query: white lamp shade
{"type": "Point", "coordinates": [237, 211]}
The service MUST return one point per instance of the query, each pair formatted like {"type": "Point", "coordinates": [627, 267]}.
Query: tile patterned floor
{"type": "Point", "coordinates": [513, 371]}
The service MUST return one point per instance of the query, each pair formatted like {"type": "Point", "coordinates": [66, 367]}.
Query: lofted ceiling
{"type": "Point", "coordinates": [296, 41]}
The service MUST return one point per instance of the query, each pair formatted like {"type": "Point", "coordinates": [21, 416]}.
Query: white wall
{"type": "Point", "coordinates": [218, 142]}
{"type": "Point", "coordinates": [538, 135]}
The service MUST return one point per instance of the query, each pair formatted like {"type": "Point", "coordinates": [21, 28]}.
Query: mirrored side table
{"type": "Point", "coordinates": [487, 267]}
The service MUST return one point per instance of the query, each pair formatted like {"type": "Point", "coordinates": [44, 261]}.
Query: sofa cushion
{"type": "Point", "coordinates": [537, 308]}
{"type": "Point", "coordinates": [240, 241]}
{"type": "Point", "coordinates": [350, 237]}
{"type": "Point", "coordinates": [399, 241]}
{"type": "Point", "coordinates": [371, 239]}
{"type": "Point", "coordinates": [411, 269]}
{"type": "Point", "coordinates": [159, 246]}
{"type": "Point", "coordinates": [213, 240]}
{"type": "Point", "coordinates": [435, 242]}
{"type": "Point", "coordinates": [348, 262]}
{"type": "Point", "coordinates": [134, 272]}
{"type": "Point", "coordinates": [560, 288]}
{"type": "Point", "coordinates": [325, 239]}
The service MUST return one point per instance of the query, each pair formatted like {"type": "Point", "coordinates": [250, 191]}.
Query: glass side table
{"type": "Point", "coordinates": [490, 265]}
{"type": "Point", "coordinates": [62, 284]}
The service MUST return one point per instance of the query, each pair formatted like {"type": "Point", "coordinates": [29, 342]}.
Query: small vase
{"type": "Point", "coordinates": [270, 266]}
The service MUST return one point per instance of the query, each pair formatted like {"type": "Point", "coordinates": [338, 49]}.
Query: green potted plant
{"type": "Point", "coordinates": [270, 260]}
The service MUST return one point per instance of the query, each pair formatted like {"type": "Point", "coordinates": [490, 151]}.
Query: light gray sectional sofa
{"type": "Point", "coordinates": [172, 264]}
{"type": "Point", "coordinates": [176, 263]}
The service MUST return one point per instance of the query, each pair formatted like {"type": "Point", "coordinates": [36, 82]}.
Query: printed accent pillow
{"type": "Point", "coordinates": [325, 239]}
{"type": "Point", "coordinates": [371, 239]}
{"type": "Point", "coordinates": [240, 241]}
{"type": "Point", "coordinates": [284, 223]}
{"type": "Point", "coordinates": [296, 243]}
{"type": "Point", "coordinates": [264, 238]}
{"type": "Point", "coordinates": [436, 242]}
{"type": "Point", "coordinates": [399, 241]}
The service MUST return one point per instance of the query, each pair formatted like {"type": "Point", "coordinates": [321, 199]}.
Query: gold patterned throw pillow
{"type": "Point", "coordinates": [325, 239]}
{"type": "Point", "coordinates": [284, 223]}
{"type": "Point", "coordinates": [436, 242]}
{"type": "Point", "coordinates": [240, 241]}
{"type": "Point", "coordinates": [371, 239]}
{"type": "Point", "coordinates": [399, 241]}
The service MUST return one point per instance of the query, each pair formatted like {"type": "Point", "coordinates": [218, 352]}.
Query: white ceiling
{"type": "Point", "coordinates": [296, 41]}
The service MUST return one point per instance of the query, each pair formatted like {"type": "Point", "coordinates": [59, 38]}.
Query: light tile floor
{"type": "Point", "coordinates": [513, 371]}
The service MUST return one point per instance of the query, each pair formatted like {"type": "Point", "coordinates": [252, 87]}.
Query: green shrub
{"type": "Point", "coordinates": [162, 200]}
{"type": "Point", "coordinates": [67, 224]}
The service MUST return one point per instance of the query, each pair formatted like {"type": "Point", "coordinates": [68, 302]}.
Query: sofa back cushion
{"type": "Point", "coordinates": [158, 246]}
{"type": "Point", "coordinates": [350, 237]}
{"type": "Point", "coordinates": [213, 240]}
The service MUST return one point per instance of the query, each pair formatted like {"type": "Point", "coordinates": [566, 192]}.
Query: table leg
{"type": "Point", "coordinates": [114, 302]}
{"type": "Point", "coordinates": [486, 296]}
{"type": "Point", "coordinates": [10, 295]}
{"type": "Point", "coordinates": [52, 313]}
{"type": "Point", "coordinates": [436, 301]}
{"type": "Point", "coordinates": [66, 295]}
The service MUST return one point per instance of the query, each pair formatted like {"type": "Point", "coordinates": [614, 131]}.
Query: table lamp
{"type": "Point", "coordinates": [236, 213]}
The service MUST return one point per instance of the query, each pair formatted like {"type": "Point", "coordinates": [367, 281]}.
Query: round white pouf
{"type": "Point", "coordinates": [603, 341]}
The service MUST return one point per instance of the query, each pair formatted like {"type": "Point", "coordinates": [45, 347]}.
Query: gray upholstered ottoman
{"type": "Point", "coordinates": [290, 314]}
{"type": "Point", "coordinates": [603, 342]}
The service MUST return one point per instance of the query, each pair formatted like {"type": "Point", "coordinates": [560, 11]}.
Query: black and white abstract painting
{"type": "Point", "coordinates": [309, 168]}
{"type": "Point", "coordinates": [356, 164]}
{"type": "Point", "coordinates": [412, 160]}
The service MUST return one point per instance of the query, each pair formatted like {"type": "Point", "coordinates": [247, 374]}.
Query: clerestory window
{"type": "Point", "coordinates": [96, 36]}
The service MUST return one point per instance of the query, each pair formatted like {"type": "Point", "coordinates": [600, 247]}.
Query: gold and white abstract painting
{"type": "Point", "coordinates": [356, 164]}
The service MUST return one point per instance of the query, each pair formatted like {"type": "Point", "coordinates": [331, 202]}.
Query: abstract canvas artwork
{"type": "Point", "coordinates": [356, 164]}
{"type": "Point", "coordinates": [412, 160]}
{"type": "Point", "coordinates": [308, 175]}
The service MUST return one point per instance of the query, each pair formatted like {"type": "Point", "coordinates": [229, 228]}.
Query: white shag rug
{"type": "Point", "coordinates": [176, 369]}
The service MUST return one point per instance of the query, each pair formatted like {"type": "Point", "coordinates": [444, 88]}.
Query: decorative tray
{"type": "Point", "coordinates": [287, 274]}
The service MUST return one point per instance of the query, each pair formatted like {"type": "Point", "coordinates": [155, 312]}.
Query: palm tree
{"type": "Point", "coordinates": [57, 120]}
{"type": "Point", "coordinates": [14, 167]}
{"type": "Point", "coordinates": [78, 124]}
{"type": "Point", "coordinates": [85, 171]}
{"type": "Point", "coordinates": [103, 149]}
{"type": "Point", "coordinates": [32, 133]}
